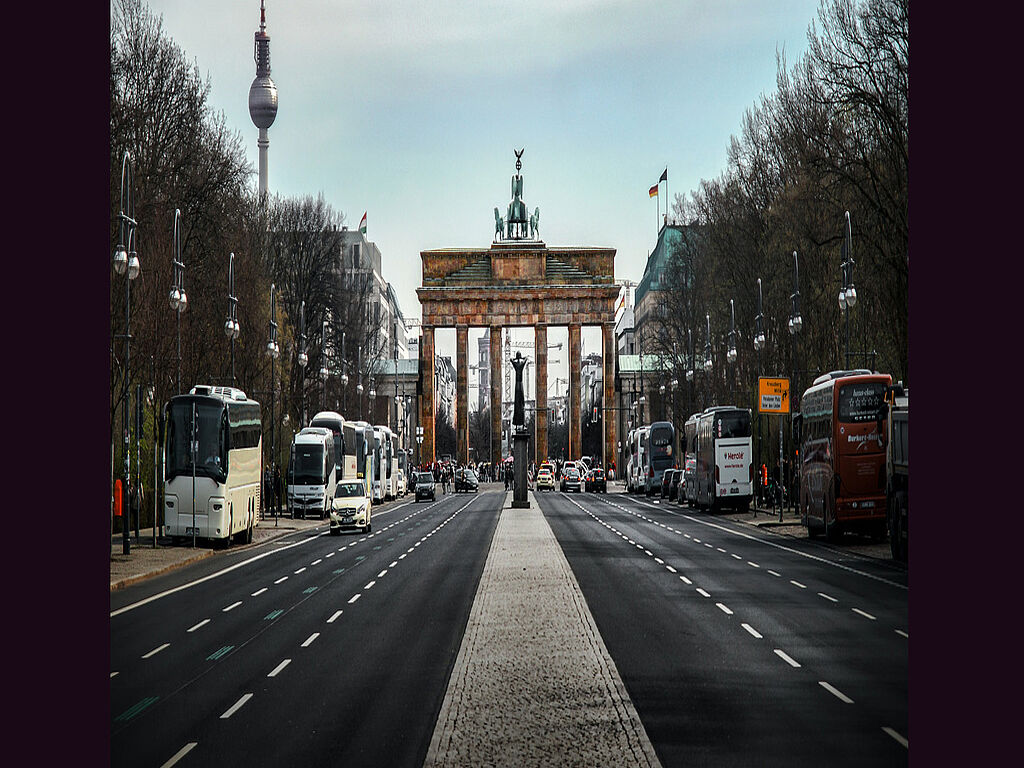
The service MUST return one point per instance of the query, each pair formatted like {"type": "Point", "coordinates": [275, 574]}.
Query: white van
{"type": "Point", "coordinates": [312, 479]}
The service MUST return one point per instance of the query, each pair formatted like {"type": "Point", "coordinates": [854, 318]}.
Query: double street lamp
{"type": "Point", "coordinates": [231, 327]}
{"type": "Point", "coordinates": [126, 262]}
{"type": "Point", "coordinates": [273, 351]}
{"type": "Point", "coordinates": [178, 297]}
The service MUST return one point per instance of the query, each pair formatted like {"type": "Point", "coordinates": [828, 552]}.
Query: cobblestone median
{"type": "Point", "coordinates": [533, 684]}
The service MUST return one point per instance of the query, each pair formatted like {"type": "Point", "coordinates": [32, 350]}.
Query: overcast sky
{"type": "Point", "coordinates": [410, 110]}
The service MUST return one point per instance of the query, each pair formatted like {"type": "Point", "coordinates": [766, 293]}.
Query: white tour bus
{"type": "Point", "coordinates": [343, 468]}
{"type": "Point", "coordinates": [212, 464]}
{"type": "Point", "coordinates": [378, 480]}
{"type": "Point", "coordinates": [359, 451]}
{"type": "Point", "coordinates": [389, 458]}
{"type": "Point", "coordinates": [311, 475]}
{"type": "Point", "coordinates": [638, 473]}
{"type": "Point", "coordinates": [725, 458]}
{"type": "Point", "coordinates": [689, 493]}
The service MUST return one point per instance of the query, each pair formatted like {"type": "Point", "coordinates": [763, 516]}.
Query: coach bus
{"type": "Point", "coordinates": [344, 469]}
{"type": "Point", "coordinates": [689, 450]}
{"type": "Point", "coordinates": [638, 447]}
{"type": "Point", "coordinates": [378, 476]}
{"type": "Point", "coordinates": [725, 458]}
{"type": "Point", "coordinates": [312, 479]}
{"type": "Point", "coordinates": [212, 464]}
{"type": "Point", "coordinates": [359, 451]}
{"type": "Point", "coordinates": [842, 454]}
{"type": "Point", "coordinates": [661, 455]}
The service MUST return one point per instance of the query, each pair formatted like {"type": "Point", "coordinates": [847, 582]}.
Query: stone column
{"type": "Point", "coordinates": [427, 406]}
{"type": "Point", "coordinates": [575, 370]}
{"type": "Point", "coordinates": [541, 343]}
{"type": "Point", "coordinates": [609, 417]}
{"type": "Point", "coordinates": [461, 394]}
{"type": "Point", "coordinates": [496, 363]}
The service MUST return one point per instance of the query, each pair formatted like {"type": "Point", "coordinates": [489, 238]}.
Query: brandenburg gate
{"type": "Point", "coordinates": [517, 281]}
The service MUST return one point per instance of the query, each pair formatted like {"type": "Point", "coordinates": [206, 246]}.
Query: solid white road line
{"type": "Point", "coordinates": [180, 754]}
{"type": "Point", "coordinates": [864, 614]}
{"type": "Point", "coordinates": [336, 615]}
{"type": "Point", "coordinates": [155, 651]}
{"type": "Point", "coordinates": [233, 605]}
{"type": "Point", "coordinates": [197, 626]}
{"type": "Point", "coordinates": [835, 692]}
{"type": "Point", "coordinates": [310, 639]}
{"type": "Point", "coordinates": [896, 736]}
{"type": "Point", "coordinates": [236, 706]}
{"type": "Point", "coordinates": [279, 667]}
{"type": "Point", "coordinates": [752, 631]}
{"type": "Point", "coordinates": [786, 658]}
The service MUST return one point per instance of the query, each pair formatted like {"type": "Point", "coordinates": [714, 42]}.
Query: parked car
{"type": "Point", "coordinates": [425, 486]}
{"type": "Point", "coordinates": [675, 489]}
{"type": "Point", "coordinates": [466, 480]}
{"type": "Point", "coordinates": [546, 478]}
{"type": "Point", "coordinates": [351, 508]}
{"type": "Point", "coordinates": [595, 481]}
{"type": "Point", "coordinates": [666, 482]}
{"type": "Point", "coordinates": [571, 479]}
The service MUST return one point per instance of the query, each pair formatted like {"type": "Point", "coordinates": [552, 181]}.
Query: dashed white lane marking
{"type": "Point", "coordinates": [737, 556]}
{"type": "Point", "coordinates": [902, 741]}
{"type": "Point", "coordinates": [259, 592]}
{"type": "Point", "coordinates": [180, 754]}
{"type": "Point", "coordinates": [310, 639]}
{"type": "Point", "coordinates": [725, 608]}
{"type": "Point", "coordinates": [709, 546]}
{"type": "Point", "coordinates": [393, 564]}
{"type": "Point", "coordinates": [281, 579]}
{"type": "Point", "coordinates": [336, 615]}
{"type": "Point", "coordinates": [755, 565]}
{"type": "Point", "coordinates": [197, 626]}
{"type": "Point", "coordinates": [773, 573]}
{"type": "Point", "coordinates": [752, 631]}
{"type": "Point", "coordinates": [720, 550]}
{"type": "Point", "coordinates": [786, 658]}
{"type": "Point", "coordinates": [354, 597]}
{"type": "Point", "coordinates": [402, 556]}
{"type": "Point", "coordinates": [670, 568]}
{"type": "Point", "coordinates": [114, 674]}
{"type": "Point", "coordinates": [659, 561]}
{"type": "Point", "coordinates": [702, 592]}
{"type": "Point", "coordinates": [827, 597]}
{"type": "Point", "coordinates": [836, 692]}
{"type": "Point", "coordinates": [798, 584]}
{"type": "Point", "coordinates": [329, 554]}
{"type": "Point", "coordinates": [236, 706]}
{"type": "Point", "coordinates": [368, 586]}
{"type": "Point", "coordinates": [382, 573]}
{"type": "Point", "coordinates": [156, 650]}
{"type": "Point", "coordinates": [685, 580]}
{"type": "Point", "coordinates": [902, 633]}
{"type": "Point", "coordinates": [865, 614]}
{"type": "Point", "coordinates": [315, 562]}
{"type": "Point", "coordinates": [233, 605]}
{"type": "Point", "coordinates": [300, 570]}
{"type": "Point", "coordinates": [279, 667]}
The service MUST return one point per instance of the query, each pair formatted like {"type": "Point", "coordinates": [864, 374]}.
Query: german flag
{"type": "Point", "coordinates": [654, 190]}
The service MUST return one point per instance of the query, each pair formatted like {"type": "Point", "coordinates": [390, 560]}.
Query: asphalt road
{"type": "Point", "coordinates": [736, 645]}
{"type": "Point", "coordinates": [314, 650]}
{"type": "Point", "coordinates": [740, 647]}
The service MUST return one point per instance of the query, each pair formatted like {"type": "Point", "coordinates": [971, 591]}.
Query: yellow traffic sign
{"type": "Point", "coordinates": [772, 395]}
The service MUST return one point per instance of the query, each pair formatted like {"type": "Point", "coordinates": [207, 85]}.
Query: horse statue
{"type": "Point", "coordinates": [499, 224]}
{"type": "Point", "coordinates": [535, 224]}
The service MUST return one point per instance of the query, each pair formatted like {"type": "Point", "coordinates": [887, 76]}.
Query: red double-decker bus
{"type": "Point", "coordinates": [842, 454]}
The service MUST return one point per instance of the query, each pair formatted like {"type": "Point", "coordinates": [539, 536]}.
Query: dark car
{"type": "Point", "coordinates": [676, 489]}
{"type": "Point", "coordinates": [595, 481]}
{"type": "Point", "coordinates": [425, 486]}
{"type": "Point", "coordinates": [571, 480]}
{"type": "Point", "coordinates": [466, 480]}
{"type": "Point", "coordinates": [666, 483]}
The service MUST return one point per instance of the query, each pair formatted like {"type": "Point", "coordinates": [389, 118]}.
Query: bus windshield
{"type": "Point", "coordinates": [308, 465]}
{"type": "Point", "coordinates": [339, 443]}
{"type": "Point", "coordinates": [211, 440]}
{"type": "Point", "coordinates": [860, 401]}
{"type": "Point", "coordinates": [733, 424]}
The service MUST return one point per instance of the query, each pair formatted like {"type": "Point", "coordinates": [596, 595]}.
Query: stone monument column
{"type": "Point", "coordinates": [609, 418]}
{"type": "Point", "coordinates": [427, 407]}
{"type": "Point", "coordinates": [541, 343]}
{"type": "Point", "coordinates": [462, 394]}
{"type": "Point", "coordinates": [575, 370]}
{"type": "Point", "coordinates": [495, 353]}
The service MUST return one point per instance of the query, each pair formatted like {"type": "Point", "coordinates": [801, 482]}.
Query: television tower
{"type": "Point", "coordinates": [262, 95]}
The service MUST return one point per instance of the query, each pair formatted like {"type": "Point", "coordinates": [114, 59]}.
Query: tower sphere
{"type": "Point", "coordinates": [263, 102]}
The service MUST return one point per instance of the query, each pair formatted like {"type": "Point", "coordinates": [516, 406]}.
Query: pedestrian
{"type": "Point", "coordinates": [277, 489]}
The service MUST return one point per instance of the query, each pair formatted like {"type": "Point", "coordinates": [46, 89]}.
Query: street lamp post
{"type": "Point", "coordinates": [126, 262]}
{"type": "Point", "coordinates": [707, 355]}
{"type": "Point", "coordinates": [419, 446]}
{"type": "Point", "coordinates": [344, 376]}
{"type": "Point", "coordinates": [178, 298]}
{"type": "Point", "coordinates": [231, 327]}
{"type": "Point", "coordinates": [303, 359]}
{"type": "Point", "coordinates": [323, 367]}
{"type": "Point", "coordinates": [730, 354]}
{"type": "Point", "coordinates": [848, 293]}
{"type": "Point", "coordinates": [795, 324]}
{"type": "Point", "coordinates": [690, 368]}
{"type": "Point", "coordinates": [273, 352]}
{"type": "Point", "coordinates": [759, 346]}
